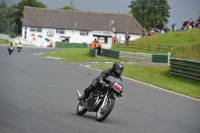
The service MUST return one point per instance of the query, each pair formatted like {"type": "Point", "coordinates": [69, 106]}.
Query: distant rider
{"type": "Point", "coordinates": [115, 71]}
{"type": "Point", "coordinates": [11, 44]}
{"type": "Point", "coordinates": [20, 43]}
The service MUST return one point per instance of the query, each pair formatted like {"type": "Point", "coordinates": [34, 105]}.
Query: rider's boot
{"type": "Point", "coordinates": [86, 93]}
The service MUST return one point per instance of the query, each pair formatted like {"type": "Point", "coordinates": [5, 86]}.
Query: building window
{"type": "Point", "coordinates": [39, 29]}
{"type": "Point", "coordinates": [33, 29]}
{"type": "Point", "coordinates": [60, 31]}
{"type": "Point", "coordinates": [84, 33]}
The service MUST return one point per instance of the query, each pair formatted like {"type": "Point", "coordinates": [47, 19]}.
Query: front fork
{"type": "Point", "coordinates": [105, 101]}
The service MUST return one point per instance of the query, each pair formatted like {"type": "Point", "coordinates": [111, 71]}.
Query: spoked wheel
{"type": "Point", "coordinates": [81, 110]}
{"type": "Point", "coordinates": [104, 111]}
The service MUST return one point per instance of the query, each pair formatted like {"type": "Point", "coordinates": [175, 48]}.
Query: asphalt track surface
{"type": "Point", "coordinates": [38, 95]}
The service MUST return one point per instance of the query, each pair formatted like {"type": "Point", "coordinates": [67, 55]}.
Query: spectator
{"type": "Point", "coordinates": [98, 47]}
{"type": "Point", "coordinates": [162, 31]}
{"type": "Point", "coordinates": [93, 44]}
{"type": "Point", "coordinates": [50, 44]}
{"type": "Point", "coordinates": [127, 37]}
{"type": "Point", "coordinates": [114, 39]}
{"type": "Point", "coordinates": [165, 28]}
{"type": "Point", "coordinates": [34, 39]}
{"type": "Point", "coordinates": [191, 23]}
{"type": "Point", "coordinates": [152, 32]}
{"type": "Point", "coordinates": [143, 32]}
{"type": "Point", "coordinates": [173, 26]}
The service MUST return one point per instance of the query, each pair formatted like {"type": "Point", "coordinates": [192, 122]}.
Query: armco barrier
{"type": "Point", "coordinates": [110, 53]}
{"type": "Point", "coordinates": [71, 45]}
{"type": "Point", "coordinates": [185, 68]}
{"type": "Point", "coordinates": [135, 56]}
{"type": "Point", "coordinates": [159, 58]}
{"type": "Point", "coordinates": [132, 56]}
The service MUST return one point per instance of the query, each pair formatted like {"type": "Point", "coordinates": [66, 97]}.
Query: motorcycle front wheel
{"type": "Point", "coordinates": [9, 51]}
{"type": "Point", "coordinates": [103, 112]}
{"type": "Point", "coordinates": [81, 110]}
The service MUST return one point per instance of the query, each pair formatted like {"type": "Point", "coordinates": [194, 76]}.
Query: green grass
{"type": "Point", "coordinates": [160, 76]}
{"type": "Point", "coordinates": [79, 55]}
{"type": "Point", "coordinates": [3, 41]}
{"type": "Point", "coordinates": [187, 38]}
{"type": "Point", "coordinates": [187, 41]}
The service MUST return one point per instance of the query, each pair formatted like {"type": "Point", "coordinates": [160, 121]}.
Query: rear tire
{"type": "Point", "coordinates": [102, 113]}
{"type": "Point", "coordinates": [81, 110]}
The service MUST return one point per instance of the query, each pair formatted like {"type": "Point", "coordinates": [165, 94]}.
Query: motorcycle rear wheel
{"type": "Point", "coordinates": [102, 113]}
{"type": "Point", "coordinates": [81, 110]}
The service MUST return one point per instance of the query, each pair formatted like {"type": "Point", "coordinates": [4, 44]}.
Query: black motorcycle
{"type": "Point", "coordinates": [10, 49]}
{"type": "Point", "coordinates": [102, 99]}
{"type": "Point", "coordinates": [19, 47]}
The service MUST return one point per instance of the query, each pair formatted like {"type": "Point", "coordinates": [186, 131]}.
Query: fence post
{"type": "Point", "coordinates": [169, 54]}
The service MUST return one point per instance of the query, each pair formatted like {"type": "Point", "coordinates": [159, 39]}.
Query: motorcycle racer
{"type": "Point", "coordinates": [115, 71]}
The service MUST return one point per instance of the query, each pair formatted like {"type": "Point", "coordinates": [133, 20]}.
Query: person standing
{"type": "Point", "coordinates": [127, 37]}
{"type": "Point", "coordinates": [50, 44]}
{"type": "Point", "coordinates": [114, 39]}
{"type": "Point", "coordinates": [93, 44]}
{"type": "Point", "coordinates": [99, 47]}
{"type": "Point", "coordinates": [173, 26]}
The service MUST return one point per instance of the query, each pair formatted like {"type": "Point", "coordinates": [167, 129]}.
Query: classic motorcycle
{"type": "Point", "coordinates": [19, 47]}
{"type": "Point", "coordinates": [102, 99]}
{"type": "Point", "coordinates": [10, 49]}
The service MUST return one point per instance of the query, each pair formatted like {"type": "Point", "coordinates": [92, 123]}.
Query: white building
{"type": "Point", "coordinates": [76, 26]}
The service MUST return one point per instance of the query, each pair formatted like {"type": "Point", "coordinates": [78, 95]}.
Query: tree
{"type": "Point", "coordinates": [20, 9]}
{"type": "Point", "coordinates": [7, 25]}
{"type": "Point", "coordinates": [6, 12]}
{"type": "Point", "coordinates": [150, 13]}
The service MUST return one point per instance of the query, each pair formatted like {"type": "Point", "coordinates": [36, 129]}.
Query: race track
{"type": "Point", "coordinates": [38, 95]}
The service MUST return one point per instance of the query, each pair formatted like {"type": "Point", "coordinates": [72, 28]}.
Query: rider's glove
{"type": "Point", "coordinates": [102, 83]}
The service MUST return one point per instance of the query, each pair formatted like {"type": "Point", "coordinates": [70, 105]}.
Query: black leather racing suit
{"type": "Point", "coordinates": [96, 82]}
{"type": "Point", "coordinates": [107, 72]}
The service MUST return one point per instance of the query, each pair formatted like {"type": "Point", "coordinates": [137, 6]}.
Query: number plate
{"type": "Point", "coordinates": [117, 87]}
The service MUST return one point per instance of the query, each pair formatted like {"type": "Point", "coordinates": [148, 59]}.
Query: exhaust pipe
{"type": "Point", "coordinates": [78, 93]}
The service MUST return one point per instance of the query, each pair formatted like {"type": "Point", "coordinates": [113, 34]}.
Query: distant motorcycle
{"type": "Point", "coordinates": [19, 47]}
{"type": "Point", "coordinates": [10, 49]}
{"type": "Point", "coordinates": [102, 99]}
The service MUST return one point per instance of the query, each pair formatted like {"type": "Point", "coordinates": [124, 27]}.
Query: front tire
{"type": "Point", "coordinates": [9, 51]}
{"type": "Point", "coordinates": [81, 110]}
{"type": "Point", "coordinates": [102, 113]}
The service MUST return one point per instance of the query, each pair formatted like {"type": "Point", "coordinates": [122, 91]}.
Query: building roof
{"type": "Point", "coordinates": [66, 19]}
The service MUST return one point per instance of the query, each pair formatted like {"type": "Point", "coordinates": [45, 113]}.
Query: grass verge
{"type": "Point", "coordinates": [3, 41]}
{"type": "Point", "coordinates": [79, 55]}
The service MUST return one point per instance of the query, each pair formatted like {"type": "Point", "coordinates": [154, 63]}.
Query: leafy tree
{"type": "Point", "coordinates": [7, 25]}
{"type": "Point", "coordinates": [150, 13]}
{"type": "Point", "coordinates": [3, 10]}
{"type": "Point", "coordinates": [6, 12]}
{"type": "Point", "coordinates": [20, 9]}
